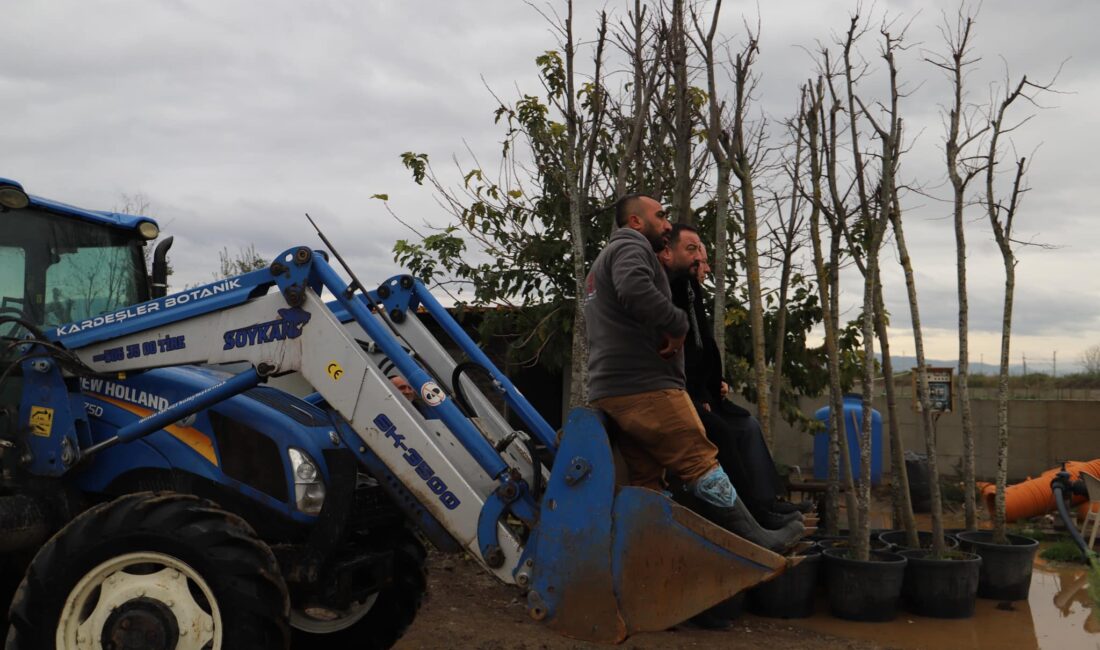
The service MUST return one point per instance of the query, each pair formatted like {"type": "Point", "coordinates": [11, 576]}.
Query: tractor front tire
{"type": "Point", "coordinates": [152, 571]}
{"type": "Point", "coordinates": [380, 620]}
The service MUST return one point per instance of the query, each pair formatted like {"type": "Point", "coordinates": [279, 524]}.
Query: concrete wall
{"type": "Point", "coordinates": [1042, 433]}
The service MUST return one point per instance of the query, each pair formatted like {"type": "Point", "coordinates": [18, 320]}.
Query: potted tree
{"type": "Point", "coordinates": [1006, 559]}
{"type": "Point", "coordinates": [865, 584]}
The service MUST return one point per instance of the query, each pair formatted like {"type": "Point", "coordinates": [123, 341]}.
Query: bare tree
{"type": "Point", "coordinates": [717, 143]}
{"type": "Point", "coordinates": [821, 139]}
{"type": "Point", "coordinates": [683, 115]}
{"type": "Point", "coordinates": [962, 132]}
{"type": "Point", "coordinates": [786, 242]}
{"type": "Point", "coordinates": [580, 148]}
{"type": "Point", "coordinates": [643, 46]}
{"type": "Point", "coordinates": [1002, 213]}
{"type": "Point", "coordinates": [1090, 360]}
{"type": "Point", "coordinates": [873, 205]}
{"type": "Point", "coordinates": [244, 260]}
{"type": "Point", "coordinates": [888, 208]}
{"type": "Point", "coordinates": [744, 153]}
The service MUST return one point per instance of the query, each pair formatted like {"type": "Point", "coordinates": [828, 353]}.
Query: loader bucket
{"type": "Point", "coordinates": [607, 562]}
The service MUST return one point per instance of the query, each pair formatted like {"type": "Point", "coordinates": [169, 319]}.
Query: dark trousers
{"type": "Point", "coordinates": [744, 455]}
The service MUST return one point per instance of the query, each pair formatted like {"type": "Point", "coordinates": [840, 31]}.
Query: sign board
{"type": "Point", "coordinates": [940, 389]}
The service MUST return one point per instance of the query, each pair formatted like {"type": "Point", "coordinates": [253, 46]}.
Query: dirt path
{"type": "Point", "coordinates": [469, 609]}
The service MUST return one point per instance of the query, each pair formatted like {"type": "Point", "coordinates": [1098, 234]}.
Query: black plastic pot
{"type": "Point", "coordinates": [1006, 568]}
{"type": "Point", "coordinates": [841, 534]}
{"type": "Point", "coordinates": [844, 543]}
{"type": "Point", "coordinates": [896, 538]}
{"type": "Point", "coordinates": [941, 587]}
{"type": "Point", "coordinates": [792, 594]}
{"type": "Point", "coordinates": [864, 591]}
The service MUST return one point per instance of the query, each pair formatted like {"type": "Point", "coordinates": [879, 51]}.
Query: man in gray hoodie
{"type": "Point", "coordinates": [636, 372]}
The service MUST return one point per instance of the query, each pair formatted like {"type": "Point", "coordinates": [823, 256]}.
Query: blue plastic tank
{"type": "Point", "coordinates": [853, 419]}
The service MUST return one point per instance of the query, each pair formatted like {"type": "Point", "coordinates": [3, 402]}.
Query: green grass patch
{"type": "Point", "coordinates": [1063, 550]}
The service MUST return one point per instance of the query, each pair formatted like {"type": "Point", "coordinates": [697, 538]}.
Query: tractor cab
{"type": "Point", "coordinates": [60, 263]}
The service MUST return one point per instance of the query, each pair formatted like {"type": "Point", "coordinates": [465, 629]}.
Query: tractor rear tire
{"type": "Point", "coordinates": [152, 571]}
{"type": "Point", "coordinates": [378, 622]}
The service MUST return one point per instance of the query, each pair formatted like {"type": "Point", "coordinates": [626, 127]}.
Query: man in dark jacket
{"type": "Point", "coordinates": [742, 451]}
{"type": "Point", "coordinates": [636, 372]}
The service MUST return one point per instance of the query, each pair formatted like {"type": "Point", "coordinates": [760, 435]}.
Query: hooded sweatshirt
{"type": "Point", "coordinates": [628, 312]}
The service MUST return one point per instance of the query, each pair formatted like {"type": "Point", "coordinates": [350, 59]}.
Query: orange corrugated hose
{"type": "Point", "coordinates": [1034, 496]}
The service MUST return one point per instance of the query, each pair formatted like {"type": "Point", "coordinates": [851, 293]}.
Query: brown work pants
{"type": "Point", "coordinates": [660, 430]}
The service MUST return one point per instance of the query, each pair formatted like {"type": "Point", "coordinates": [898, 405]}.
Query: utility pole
{"type": "Point", "coordinates": [1023, 355]}
{"type": "Point", "coordinates": [1054, 372]}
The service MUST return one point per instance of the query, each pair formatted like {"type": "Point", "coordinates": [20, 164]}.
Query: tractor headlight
{"type": "Point", "coordinates": [309, 489]}
{"type": "Point", "coordinates": [148, 230]}
{"type": "Point", "coordinates": [13, 197]}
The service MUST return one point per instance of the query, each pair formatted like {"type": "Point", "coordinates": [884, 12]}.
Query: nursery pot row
{"type": "Point", "coordinates": [874, 590]}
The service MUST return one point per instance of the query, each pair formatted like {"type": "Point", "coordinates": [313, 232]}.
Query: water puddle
{"type": "Point", "coordinates": [1056, 616]}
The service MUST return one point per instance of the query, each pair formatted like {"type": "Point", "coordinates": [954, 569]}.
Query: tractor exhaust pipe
{"type": "Point", "coordinates": [159, 288]}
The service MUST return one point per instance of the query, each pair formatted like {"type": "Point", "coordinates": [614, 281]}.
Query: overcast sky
{"type": "Point", "coordinates": [234, 119]}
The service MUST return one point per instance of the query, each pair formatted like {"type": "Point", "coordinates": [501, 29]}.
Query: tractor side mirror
{"type": "Point", "coordinates": [159, 287]}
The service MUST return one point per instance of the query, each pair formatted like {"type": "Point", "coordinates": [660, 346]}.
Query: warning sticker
{"type": "Point", "coordinates": [432, 393]}
{"type": "Point", "coordinates": [42, 421]}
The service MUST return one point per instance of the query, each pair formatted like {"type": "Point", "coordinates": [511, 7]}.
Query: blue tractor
{"type": "Point", "coordinates": [157, 491]}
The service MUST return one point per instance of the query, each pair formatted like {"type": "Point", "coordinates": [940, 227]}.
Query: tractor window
{"type": "Point", "coordinates": [13, 266]}
{"type": "Point", "coordinates": [57, 269]}
{"type": "Point", "coordinates": [95, 277]}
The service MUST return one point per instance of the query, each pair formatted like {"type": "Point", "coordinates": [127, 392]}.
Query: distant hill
{"type": "Point", "coordinates": [902, 364]}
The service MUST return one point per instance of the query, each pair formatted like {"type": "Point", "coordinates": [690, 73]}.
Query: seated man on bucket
{"type": "Point", "coordinates": [636, 373]}
{"type": "Point", "coordinates": [742, 451]}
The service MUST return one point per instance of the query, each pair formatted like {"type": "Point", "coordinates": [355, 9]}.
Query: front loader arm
{"type": "Point", "coordinates": [452, 470]}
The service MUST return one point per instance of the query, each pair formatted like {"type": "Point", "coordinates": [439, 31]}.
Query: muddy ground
{"type": "Point", "coordinates": [467, 608]}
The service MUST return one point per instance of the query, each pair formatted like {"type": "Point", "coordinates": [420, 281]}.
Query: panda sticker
{"type": "Point", "coordinates": [432, 394]}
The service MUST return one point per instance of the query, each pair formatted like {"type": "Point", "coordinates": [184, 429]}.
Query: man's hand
{"type": "Point", "coordinates": [670, 346]}
{"type": "Point", "coordinates": [724, 389]}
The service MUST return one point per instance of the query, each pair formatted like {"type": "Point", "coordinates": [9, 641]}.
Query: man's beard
{"type": "Point", "coordinates": [689, 271]}
{"type": "Point", "coordinates": [658, 242]}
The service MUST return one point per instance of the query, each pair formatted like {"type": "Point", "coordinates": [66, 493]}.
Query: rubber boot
{"type": "Point", "coordinates": [721, 505]}
{"type": "Point", "coordinates": [739, 521]}
{"type": "Point", "coordinates": [773, 520]}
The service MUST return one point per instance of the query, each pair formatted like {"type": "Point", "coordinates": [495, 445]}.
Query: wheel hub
{"type": "Point", "coordinates": [141, 624]}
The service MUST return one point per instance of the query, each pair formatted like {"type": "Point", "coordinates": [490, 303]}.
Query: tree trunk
{"type": "Point", "coordinates": [954, 66]}
{"type": "Point", "coordinates": [999, 533]}
{"type": "Point", "coordinates": [903, 504]}
{"type": "Point", "coordinates": [780, 342]}
{"type": "Point", "coordinates": [788, 227]}
{"type": "Point", "coordinates": [721, 246]}
{"type": "Point", "coordinates": [860, 541]}
{"type": "Point", "coordinates": [683, 115]}
{"type": "Point", "coordinates": [840, 454]}
{"type": "Point", "coordinates": [938, 547]}
{"type": "Point", "coordinates": [969, 478]}
{"type": "Point", "coordinates": [722, 193]}
{"type": "Point", "coordinates": [574, 166]}
{"type": "Point", "coordinates": [756, 303]}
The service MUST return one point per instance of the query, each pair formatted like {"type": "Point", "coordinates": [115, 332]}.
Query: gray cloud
{"type": "Point", "coordinates": [236, 119]}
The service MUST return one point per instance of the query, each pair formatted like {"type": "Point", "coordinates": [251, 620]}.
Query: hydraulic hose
{"type": "Point", "coordinates": [464, 404]}
{"type": "Point", "coordinates": [1061, 483]}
